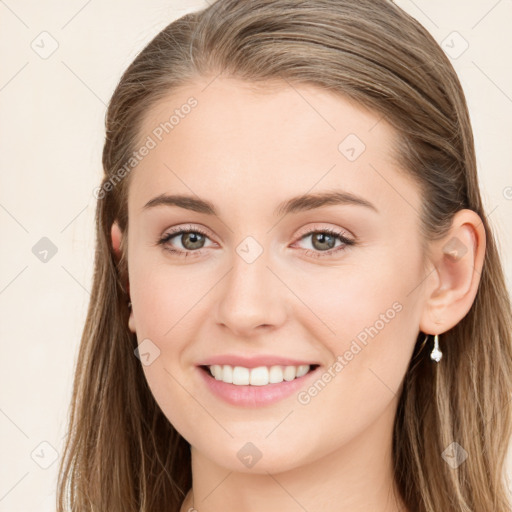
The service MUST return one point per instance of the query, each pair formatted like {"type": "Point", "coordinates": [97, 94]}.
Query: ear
{"type": "Point", "coordinates": [117, 237]}
{"type": "Point", "coordinates": [457, 262]}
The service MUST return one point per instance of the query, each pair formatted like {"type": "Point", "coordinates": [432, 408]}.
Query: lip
{"type": "Point", "coordinates": [255, 396]}
{"type": "Point", "coordinates": [253, 362]}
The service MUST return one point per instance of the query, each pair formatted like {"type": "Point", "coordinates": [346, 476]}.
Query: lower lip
{"type": "Point", "coordinates": [254, 396]}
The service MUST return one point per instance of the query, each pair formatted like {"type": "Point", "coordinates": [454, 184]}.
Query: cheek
{"type": "Point", "coordinates": [346, 302]}
{"type": "Point", "coordinates": [161, 294]}
{"type": "Point", "coordinates": [161, 299]}
{"type": "Point", "coordinates": [372, 312]}
{"type": "Point", "coordinates": [170, 391]}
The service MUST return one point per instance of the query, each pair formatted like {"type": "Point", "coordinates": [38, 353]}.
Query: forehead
{"type": "Point", "coordinates": [223, 105]}
{"type": "Point", "coordinates": [259, 141]}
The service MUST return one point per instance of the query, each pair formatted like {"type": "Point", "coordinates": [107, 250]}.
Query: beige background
{"type": "Point", "coordinates": [51, 135]}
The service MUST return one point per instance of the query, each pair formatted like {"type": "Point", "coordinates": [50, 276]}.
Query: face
{"type": "Point", "coordinates": [265, 282]}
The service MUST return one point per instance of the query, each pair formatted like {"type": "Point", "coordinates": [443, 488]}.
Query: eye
{"type": "Point", "coordinates": [192, 239]}
{"type": "Point", "coordinates": [323, 242]}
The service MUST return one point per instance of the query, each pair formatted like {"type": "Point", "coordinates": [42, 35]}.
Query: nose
{"type": "Point", "coordinates": [251, 298]}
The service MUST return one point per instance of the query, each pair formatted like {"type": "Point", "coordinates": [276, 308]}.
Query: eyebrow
{"type": "Point", "coordinates": [294, 205]}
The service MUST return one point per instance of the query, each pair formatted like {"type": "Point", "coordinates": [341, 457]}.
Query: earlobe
{"type": "Point", "coordinates": [116, 235]}
{"type": "Point", "coordinates": [458, 261]}
{"type": "Point", "coordinates": [131, 322]}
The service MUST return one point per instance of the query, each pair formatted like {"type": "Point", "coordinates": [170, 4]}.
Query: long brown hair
{"type": "Point", "coordinates": [122, 454]}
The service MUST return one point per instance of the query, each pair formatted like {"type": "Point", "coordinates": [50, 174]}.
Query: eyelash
{"type": "Point", "coordinates": [309, 252]}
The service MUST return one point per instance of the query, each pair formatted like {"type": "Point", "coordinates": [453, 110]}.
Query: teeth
{"type": "Point", "coordinates": [241, 375]}
{"type": "Point", "coordinates": [260, 376]}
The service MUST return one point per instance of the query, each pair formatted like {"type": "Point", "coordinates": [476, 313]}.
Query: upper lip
{"type": "Point", "coordinates": [253, 362]}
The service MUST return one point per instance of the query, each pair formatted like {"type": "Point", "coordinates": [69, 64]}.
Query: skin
{"type": "Point", "coordinates": [246, 151]}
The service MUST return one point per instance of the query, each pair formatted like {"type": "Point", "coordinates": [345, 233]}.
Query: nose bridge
{"type": "Point", "coordinates": [250, 296]}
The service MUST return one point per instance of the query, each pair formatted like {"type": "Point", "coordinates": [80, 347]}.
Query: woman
{"type": "Point", "coordinates": [298, 302]}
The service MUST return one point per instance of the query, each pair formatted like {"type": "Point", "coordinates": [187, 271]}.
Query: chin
{"type": "Point", "coordinates": [256, 457]}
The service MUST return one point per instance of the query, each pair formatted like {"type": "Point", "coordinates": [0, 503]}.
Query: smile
{"type": "Point", "coordinates": [258, 386]}
{"type": "Point", "coordinates": [259, 376]}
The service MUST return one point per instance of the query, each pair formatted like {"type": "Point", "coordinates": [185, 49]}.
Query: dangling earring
{"type": "Point", "coordinates": [436, 354]}
{"type": "Point", "coordinates": [129, 305]}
